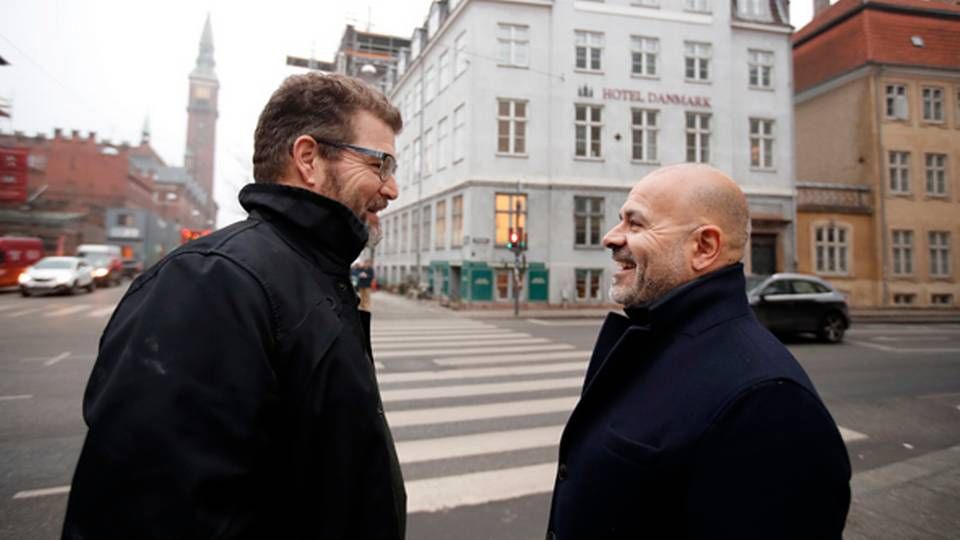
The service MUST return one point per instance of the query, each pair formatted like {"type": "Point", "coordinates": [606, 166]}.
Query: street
{"type": "Point", "coordinates": [477, 406]}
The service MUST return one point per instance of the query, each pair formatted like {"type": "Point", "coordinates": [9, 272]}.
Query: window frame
{"type": "Point", "coordinates": [647, 141]}
{"type": "Point", "coordinates": [514, 44]}
{"type": "Point", "coordinates": [701, 54]}
{"type": "Point", "coordinates": [764, 142]}
{"type": "Point", "coordinates": [823, 245]}
{"type": "Point", "coordinates": [589, 124]}
{"type": "Point", "coordinates": [892, 99]}
{"type": "Point", "coordinates": [589, 47]}
{"type": "Point", "coordinates": [591, 276]}
{"type": "Point", "coordinates": [942, 178]}
{"type": "Point", "coordinates": [901, 245]}
{"type": "Point", "coordinates": [761, 61]}
{"type": "Point", "coordinates": [931, 105]}
{"type": "Point", "coordinates": [702, 136]}
{"type": "Point", "coordinates": [440, 225]}
{"type": "Point", "coordinates": [648, 56]}
{"type": "Point", "coordinates": [939, 262]}
{"type": "Point", "coordinates": [899, 183]}
{"type": "Point", "coordinates": [514, 220]}
{"type": "Point", "coordinates": [456, 221]}
{"type": "Point", "coordinates": [459, 132]}
{"type": "Point", "coordinates": [514, 124]}
{"type": "Point", "coordinates": [593, 221]}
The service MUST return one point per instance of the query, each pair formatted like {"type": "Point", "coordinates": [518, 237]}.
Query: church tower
{"type": "Point", "coordinates": [202, 120]}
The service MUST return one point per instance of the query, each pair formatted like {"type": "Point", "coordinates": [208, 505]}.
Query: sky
{"type": "Point", "coordinates": [107, 65]}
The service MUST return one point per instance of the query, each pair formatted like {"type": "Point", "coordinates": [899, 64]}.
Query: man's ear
{"type": "Point", "coordinates": [304, 159]}
{"type": "Point", "coordinates": [708, 244]}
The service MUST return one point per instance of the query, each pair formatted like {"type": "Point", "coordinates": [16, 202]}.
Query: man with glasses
{"type": "Point", "coordinates": [234, 393]}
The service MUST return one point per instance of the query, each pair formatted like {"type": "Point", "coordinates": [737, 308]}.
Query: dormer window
{"type": "Point", "coordinates": [754, 9]}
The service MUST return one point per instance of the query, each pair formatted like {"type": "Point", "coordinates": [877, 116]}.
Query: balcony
{"type": "Point", "coordinates": [826, 197]}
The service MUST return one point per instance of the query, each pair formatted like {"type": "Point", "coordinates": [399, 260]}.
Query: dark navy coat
{"type": "Point", "coordinates": [696, 423]}
{"type": "Point", "coordinates": [234, 393]}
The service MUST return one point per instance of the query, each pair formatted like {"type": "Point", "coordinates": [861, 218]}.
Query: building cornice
{"type": "Point", "coordinates": [643, 12]}
{"type": "Point", "coordinates": [772, 28]}
{"type": "Point", "coordinates": [871, 68]}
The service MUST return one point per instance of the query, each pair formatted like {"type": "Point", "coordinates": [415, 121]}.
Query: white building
{"type": "Point", "coordinates": [561, 107]}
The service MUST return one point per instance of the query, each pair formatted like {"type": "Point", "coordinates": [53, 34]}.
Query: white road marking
{"type": "Point", "coordinates": [425, 346]}
{"type": "Point", "coordinates": [11, 306]}
{"type": "Point", "coordinates": [850, 435]}
{"type": "Point", "coordinates": [436, 332]}
{"type": "Point", "coordinates": [16, 397]}
{"type": "Point", "coordinates": [451, 337]}
{"type": "Point", "coordinates": [920, 350]}
{"type": "Point", "coordinates": [23, 312]}
{"type": "Point", "coordinates": [67, 311]}
{"type": "Point", "coordinates": [911, 338]}
{"type": "Point", "coordinates": [379, 365]}
{"type": "Point", "coordinates": [102, 312]}
{"type": "Point", "coordinates": [478, 444]}
{"type": "Point", "coordinates": [57, 358]}
{"type": "Point", "coordinates": [479, 350]}
{"type": "Point", "coordinates": [577, 322]}
{"type": "Point", "coordinates": [510, 358]}
{"type": "Point", "coordinates": [462, 413]}
{"type": "Point", "coordinates": [462, 374]}
{"type": "Point", "coordinates": [41, 492]}
{"type": "Point", "coordinates": [433, 494]}
{"type": "Point", "coordinates": [418, 394]}
{"type": "Point", "coordinates": [432, 325]}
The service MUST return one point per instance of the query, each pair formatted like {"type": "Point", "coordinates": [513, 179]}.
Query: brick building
{"type": "Point", "coordinates": [877, 97]}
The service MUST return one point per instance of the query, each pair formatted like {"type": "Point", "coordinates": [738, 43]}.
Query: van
{"type": "Point", "coordinates": [105, 260]}
{"type": "Point", "coordinates": [16, 254]}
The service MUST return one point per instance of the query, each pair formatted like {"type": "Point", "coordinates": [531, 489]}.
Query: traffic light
{"type": "Point", "coordinates": [513, 239]}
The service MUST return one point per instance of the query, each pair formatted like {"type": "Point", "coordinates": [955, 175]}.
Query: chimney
{"type": "Point", "coordinates": [92, 137]}
{"type": "Point", "coordinates": [819, 6]}
{"type": "Point", "coordinates": [57, 133]}
{"type": "Point", "coordinates": [75, 134]}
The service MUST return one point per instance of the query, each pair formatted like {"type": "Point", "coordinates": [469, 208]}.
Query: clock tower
{"type": "Point", "coordinates": [202, 121]}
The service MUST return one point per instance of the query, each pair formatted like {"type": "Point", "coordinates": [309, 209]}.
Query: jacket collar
{"type": "Point", "coordinates": [324, 230]}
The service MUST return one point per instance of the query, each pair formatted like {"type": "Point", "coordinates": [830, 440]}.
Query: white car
{"type": "Point", "coordinates": [57, 274]}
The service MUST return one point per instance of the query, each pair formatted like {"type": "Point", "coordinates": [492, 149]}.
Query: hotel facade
{"type": "Point", "coordinates": [540, 116]}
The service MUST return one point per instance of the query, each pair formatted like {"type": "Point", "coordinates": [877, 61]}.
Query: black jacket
{"type": "Point", "coordinates": [234, 393]}
{"type": "Point", "coordinates": [696, 423]}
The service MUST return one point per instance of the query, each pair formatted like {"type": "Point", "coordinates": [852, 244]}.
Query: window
{"type": "Point", "coordinates": [896, 102]}
{"type": "Point", "coordinates": [698, 137]}
{"type": "Point", "coordinates": [440, 234]}
{"type": "Point", "coordinates": [643, 54]}
{"type": "Point", "coordinates": [456, 221]}
{"type": "Point", "coordinates": [417, 171]}
{"type": "Point", "coordinates": [443, 70]}
{"type": "Point", "coordinates": [443, 143]}
{"type": "Point", "coordinates": [802, 286]}
{"type": "Point", "coordinates": [588, 283]}
{"type": "Point", "coordinates": [589, 50]}
{"type": "Point", "coordinates": [459, 132]}
{"type": "Point", "coordinates": [645, 132]}
{"type": "Point", "coordinates": [408, 106]}
{"type": "Point", "coordinates": [933, 104]}
{"type": "Point", "coordinates": [428, 159]}
{"type": "Point", "coordinates": [513, 44]}
{"type": "Point", "coordinates": [404, 169]}
{"type": "Point", "coordinates": [753, 9]}
{"type": "Point", "coordinates": [417, 96]}
{"type": "Point", "coordinates": [761, 143]}
{"type": "Point", "coordinates": [460, 54]}
{"type": "Point", "coordinates": [697, 60]}
{"type": "Point", "coordinates": [939, 253]}
{"type": "Point", "coordinates": [761, 68]}
{"type": "Point", "coordinates": [427, 222]}
{"type": "Point", "coordinates": [511, 213]}
{"type": "Point", "coordinates": [697, 5]}
{"type": "Point", "coordinates": [941, 299]}
{"type": "Point", "coordinates": [589, 127]}
{"type": "Point", "coordinates": [902, 299]}
{"type": "Point", "coordinates": [430, 84]}
{"type": "Point", "coordinates": [899, 172]}
{"type": "Point", "coordinates": [936, 174]}
{"type": "Point", "coordinates": [396, 234]}
{"type": "Point", "coordinates": [414, 230]}
{"type": "Point", "coordinates": [511, 126]}
{"type": "Point", "coordinates": [503, 284]}
{"type": "Point", "coordinates": [832, 249]}
{"type": "Point", "coordinates": [403, 233]}
{"type": "Point", "coordinates": [647, 3]}
{"type": "Point", "coordinates": [902, 253]}
{"type": "Point", "coordinates": [588, 221]}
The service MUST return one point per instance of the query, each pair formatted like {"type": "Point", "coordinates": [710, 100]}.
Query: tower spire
{"type": "Point", "coordinates": [205, 62]}
{"type": "Point", "coordinates": [145, 131]}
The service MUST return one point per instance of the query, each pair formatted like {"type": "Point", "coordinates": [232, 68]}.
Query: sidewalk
{"type": "Point", "coordinates": [918, 498]}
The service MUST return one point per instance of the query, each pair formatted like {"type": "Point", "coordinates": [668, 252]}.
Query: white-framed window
{"type": "Point", "coordinates": [902, 252]}
{"type": "Point", "coordinates": [513, 44]}
{"type": "Point", "coordinates": [897, 106]}
{"type": "Point", "coordinates": [645, 128]}
{"type": "Point", "coordinates": [701, 6]}
{"type": "Point", "coordinates": [698, 137]}
{"type": "Point", "coordinates": [510, 212]}
{"type": "Point", "coordinates": [443, 69]}
{"type": "Point", "coordinates": [429, 140]}
{"type": "Point", "coordinates": [941, 299]}
{"type": "Point", "coordinates": [588, 131]}
{"type": "Point", "coordinates": [511, 126]}
{"type": "Point", "coordinates": [425, 230]}
{"type": "Point", "coordinates": [697, 60]}
{"type": "Point", "coordinates": [646, 3]}
{"type": "Point", "coordinates": [588, 282]}
{"type": "Point", "coordinates": [404, 168]}
{"type": "Point", "coordinates": [414, 230]}
{"type": "Point", "coordinates": [459, 132]}
{"type": "Point", "coordinates": [589, 50]}
{"type": "Point", "coordinates": [417, 96]}
{"type": "Point", "coordinates": [403, 232]}
{"type": "Point", "coordinates": [456, 221]}
{"type": "Point", "coordinates": [460, 54]}
{"type": "Point", "coordinates": [408, 106]}
{"type": "Point", "coordinates": [899, 171]}
{"type": "Point", "coordinates": [504, 283]}
{"type": "Point", "coordinates": [644, 53]}
{"type": "Point", "coordinates": [761, 143]}
{"type": "Point", "coordinates": [904, 299]}
{"type": "Point", "coordinates": [932, 104]}
{"type": "Point", "coordinates": [440, 234]}
{"type": "Point", "coordinates": [939, 253]}
{"type": "Point", "coordinates": [587, 221]}
{"type": "Point", "coordinates": [443, 143]}
{"type": "Point", "coordinates": [936, 174]}
{"type": "Point", "coordinates": [832, 249]}
{"type": "Point", "coordinates": [761, 68]}
{"type": "Point", "coordinates": [429, 84]}
{"type": "Point", "coordinates": [753, 9]}
{"type": "Point", "coordinates": [417, 171]}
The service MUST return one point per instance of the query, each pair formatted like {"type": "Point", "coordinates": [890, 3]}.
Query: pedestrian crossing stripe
{"type": "Point", "coordinates": [463, 390]}
{"type": "Point", "coordinates": [431, 337]}
{"type": "Point", "coordinates": [476, 373]}
{"type": "Point", "coordinates": [477, 350]}
{"type": "Point", "coordinates": [427, 345]}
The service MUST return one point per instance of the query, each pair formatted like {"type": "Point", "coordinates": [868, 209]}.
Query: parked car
{"type": "Point", "coordinates": [16, 254]}
{"type": "Point", "coordinates": [798, 303]}
{"type": "Point", "coordinates": [57, 274]}
{"type": "Point", "coordinates": [131, 268]}
{"type": "Point", "coordinates": [106, 263]}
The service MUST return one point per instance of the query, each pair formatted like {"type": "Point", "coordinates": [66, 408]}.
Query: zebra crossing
{"type": "Point", "coordinates": [57, 310]}
{"type": "Point", "coordinates": [477, 410]}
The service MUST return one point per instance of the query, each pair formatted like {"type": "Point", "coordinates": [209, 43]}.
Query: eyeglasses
{"type": "Point", "coordinates": [388, 163]}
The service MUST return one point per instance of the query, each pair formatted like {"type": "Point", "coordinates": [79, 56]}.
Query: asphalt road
{"type": "Point", "coordinates": [476, 405]}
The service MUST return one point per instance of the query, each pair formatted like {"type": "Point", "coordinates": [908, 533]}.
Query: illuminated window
{"type": "Point", "coordinates": [510, 213]}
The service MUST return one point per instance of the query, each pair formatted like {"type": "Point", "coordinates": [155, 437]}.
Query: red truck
{"type": "Point", "coordinates": [16, 254]}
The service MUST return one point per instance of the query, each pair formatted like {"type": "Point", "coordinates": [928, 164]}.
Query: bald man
{"type": "Point", "coordinates": [694, 422]}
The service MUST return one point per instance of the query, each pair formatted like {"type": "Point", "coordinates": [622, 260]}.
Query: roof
{"type": "Point", "coordinates": [172, 175]}
{"type": "Point", "coordinates": [853, 33]}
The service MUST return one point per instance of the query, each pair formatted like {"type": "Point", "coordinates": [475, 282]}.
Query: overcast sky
{"type": "Point", "coordinates": [105, 65]}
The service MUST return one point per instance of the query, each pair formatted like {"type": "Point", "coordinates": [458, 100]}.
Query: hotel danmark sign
{"type": "Point", "coordinates": [650, 97]}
